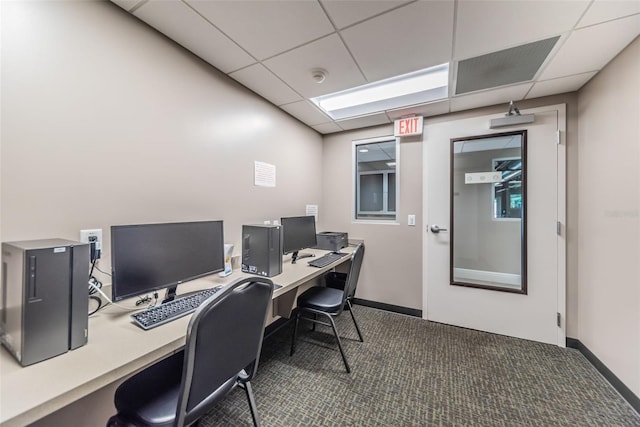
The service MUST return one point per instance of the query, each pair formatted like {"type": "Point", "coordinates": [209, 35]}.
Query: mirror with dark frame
{"type": "Point", "coordinates": [488, 212]}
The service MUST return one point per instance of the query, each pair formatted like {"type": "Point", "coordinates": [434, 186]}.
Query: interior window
{"type": "Point", "coordinates": [507, 194]}
{"type": "Point", "coordinates": [375, 180]}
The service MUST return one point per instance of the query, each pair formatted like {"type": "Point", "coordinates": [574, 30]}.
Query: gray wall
{"type": "Point", "coordinates": [392, 269]}
{"type": "Point", "coordinates": [609, 206]}
{"type": "Point", "coordinates": [105, 121]}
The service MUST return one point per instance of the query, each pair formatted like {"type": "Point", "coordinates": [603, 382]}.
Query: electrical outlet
{"type": "Point", "coordinates": [93, 236]}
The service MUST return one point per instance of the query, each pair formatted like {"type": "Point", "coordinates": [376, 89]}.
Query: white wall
{"type": "Point", "coordinates": [105, 121]}
{"type": "Point", "coordinates": [609, 202]}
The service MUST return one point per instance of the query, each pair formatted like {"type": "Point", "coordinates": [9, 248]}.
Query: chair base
{"type": "Point", "coordinates": [252, 403]}
{"type": "Point", "coordinates": [314, 320]}
{"type": "Point", "coordinates": [350, 308]}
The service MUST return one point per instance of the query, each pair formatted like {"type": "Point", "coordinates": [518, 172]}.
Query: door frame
{"type": "Point", "coordinates": [561, 240]}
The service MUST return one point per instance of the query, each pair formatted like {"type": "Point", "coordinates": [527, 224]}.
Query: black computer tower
{"type": "Point", "coordinates": [261, 250]}
{"type": "Point", "coordinates": [44, 298]}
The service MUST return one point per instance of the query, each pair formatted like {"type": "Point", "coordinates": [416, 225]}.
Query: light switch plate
{"type": "Point", "coordinates": [411, 220]}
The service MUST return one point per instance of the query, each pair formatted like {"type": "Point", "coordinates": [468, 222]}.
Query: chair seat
{"type": "Point", "coordinates": [323, 299]}
{"type": "Point", "coordinates": [152, 399]}
{"type": "Point", "coordinates": [160, 412]}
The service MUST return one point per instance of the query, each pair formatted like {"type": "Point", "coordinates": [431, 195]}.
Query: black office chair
{"type": "Point", "coordinates": [222, 349]}
{"type": "Point", "coordinates": [330, 302]}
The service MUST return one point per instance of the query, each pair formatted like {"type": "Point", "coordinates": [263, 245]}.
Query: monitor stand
{"type": "Point", "coordinates": [170, 295]}
{"type": "Point", "coordinates": [296, 256]}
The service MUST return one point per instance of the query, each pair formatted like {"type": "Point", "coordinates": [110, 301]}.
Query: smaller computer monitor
{"type": "Point", "coordinates": [298, 233]}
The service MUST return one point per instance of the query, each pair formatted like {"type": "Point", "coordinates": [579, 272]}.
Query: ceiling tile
{"type": "Point", "coordinates": [127, 4]}
{"type": "Point", "coordinates": [327, 128]}
{"type": "Point", "coordinates": [426, 110]}
{"type": "Point", "coordinates": [591, 48]}
{"type": "Point", "coordinates": [262, 81]}
{"type": "Point", "coordinates": [484, 26]}
{"type": "Point", "coordinates": [306, 112]}
{"type": "Point", "coordinates": [266, 28]}
{"type": "Point", "coordinates": [402, 40]}
{"type": "Point", "coordinates": [366, 121]}
{"type": "Point", "coordinates": [490, 97]}
{"type": "Point", "coordinates": [606, 10]}
{"type": "Point", "coordinates": [514, 65]}
{"type": "Point", "coordinates": [560, 85]}
{"type": "Point", "coordinates": [344, 13]}
{"type": "Point", "coordinates": [294, 67]}
{"type": "Point", "coordinates": [179, 22]}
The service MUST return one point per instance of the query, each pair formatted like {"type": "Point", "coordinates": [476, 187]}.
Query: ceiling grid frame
{"type": "Point", "coordinates": [587, 18]}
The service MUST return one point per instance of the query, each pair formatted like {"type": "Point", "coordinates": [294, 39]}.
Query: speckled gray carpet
{"type": "Point", "coordinates": [410, 372]}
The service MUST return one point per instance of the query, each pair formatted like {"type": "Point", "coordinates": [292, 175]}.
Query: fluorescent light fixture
{"type": "Point", "coordinates": [391, 163]}
{"type": "Point", "coordinates": [511, 175]}
{"type": "Point", "coordinates": [364, 150]}
{"type": "Point", "coordinates": [418, 87]}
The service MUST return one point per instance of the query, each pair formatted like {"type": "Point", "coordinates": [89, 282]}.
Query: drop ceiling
{"type": "Point", "coordinates": [271, 47]}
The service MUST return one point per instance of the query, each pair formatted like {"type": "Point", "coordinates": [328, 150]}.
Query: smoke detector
{"type": "Point", "coordinates": [319, 75]}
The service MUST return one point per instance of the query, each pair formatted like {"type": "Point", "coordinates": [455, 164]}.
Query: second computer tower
{"type": "Point", "coordinates": [261, 250]}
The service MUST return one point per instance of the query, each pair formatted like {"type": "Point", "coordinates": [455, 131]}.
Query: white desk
{"type": "Point", "coordinates": [117, 348]}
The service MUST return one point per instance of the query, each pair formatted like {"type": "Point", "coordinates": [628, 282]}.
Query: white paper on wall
{"type": "Point", "coordinates": [312, 210]}
{"type": "Point", "coordinates": [264, 174]}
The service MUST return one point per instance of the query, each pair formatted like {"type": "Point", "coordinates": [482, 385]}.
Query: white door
{"type": "Point", "coordinates": [534, 316]}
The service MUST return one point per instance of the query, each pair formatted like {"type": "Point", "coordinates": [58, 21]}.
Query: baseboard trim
{"type": "Point", "coordinates": [624, 391]}
{"type": "Point", "coordinates": [389, 307]}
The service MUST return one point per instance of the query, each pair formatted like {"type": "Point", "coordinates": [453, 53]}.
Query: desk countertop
{"type": "Point", "coordinates": [116, 348]}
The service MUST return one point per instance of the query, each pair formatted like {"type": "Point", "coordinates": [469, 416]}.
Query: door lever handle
{"type": "Point", "coordinates": [435, 229]}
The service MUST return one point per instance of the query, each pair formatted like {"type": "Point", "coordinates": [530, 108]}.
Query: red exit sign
{"type": "Point", "coordinates": [408, 126]}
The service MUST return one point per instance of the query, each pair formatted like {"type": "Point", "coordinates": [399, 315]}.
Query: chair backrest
{"type": "Point", "coordinates": [224, 338]}
{"type": "Point", "coordinates": [354, 272]}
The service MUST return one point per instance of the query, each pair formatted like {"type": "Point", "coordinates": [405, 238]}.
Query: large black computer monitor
{"type": "Point", "coordinates": [298, 232]}
{"type": "Point", "coordinates": [149, 257]}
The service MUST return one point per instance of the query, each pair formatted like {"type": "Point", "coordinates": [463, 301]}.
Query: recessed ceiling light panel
{"type": "Point", "coordinates": [409, 89]}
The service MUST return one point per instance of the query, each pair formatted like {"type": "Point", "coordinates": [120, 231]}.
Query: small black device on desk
{"type": "Point", "coordinates": [327, 259]}
{"type": "Point", "coordinates": [332, 240]}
